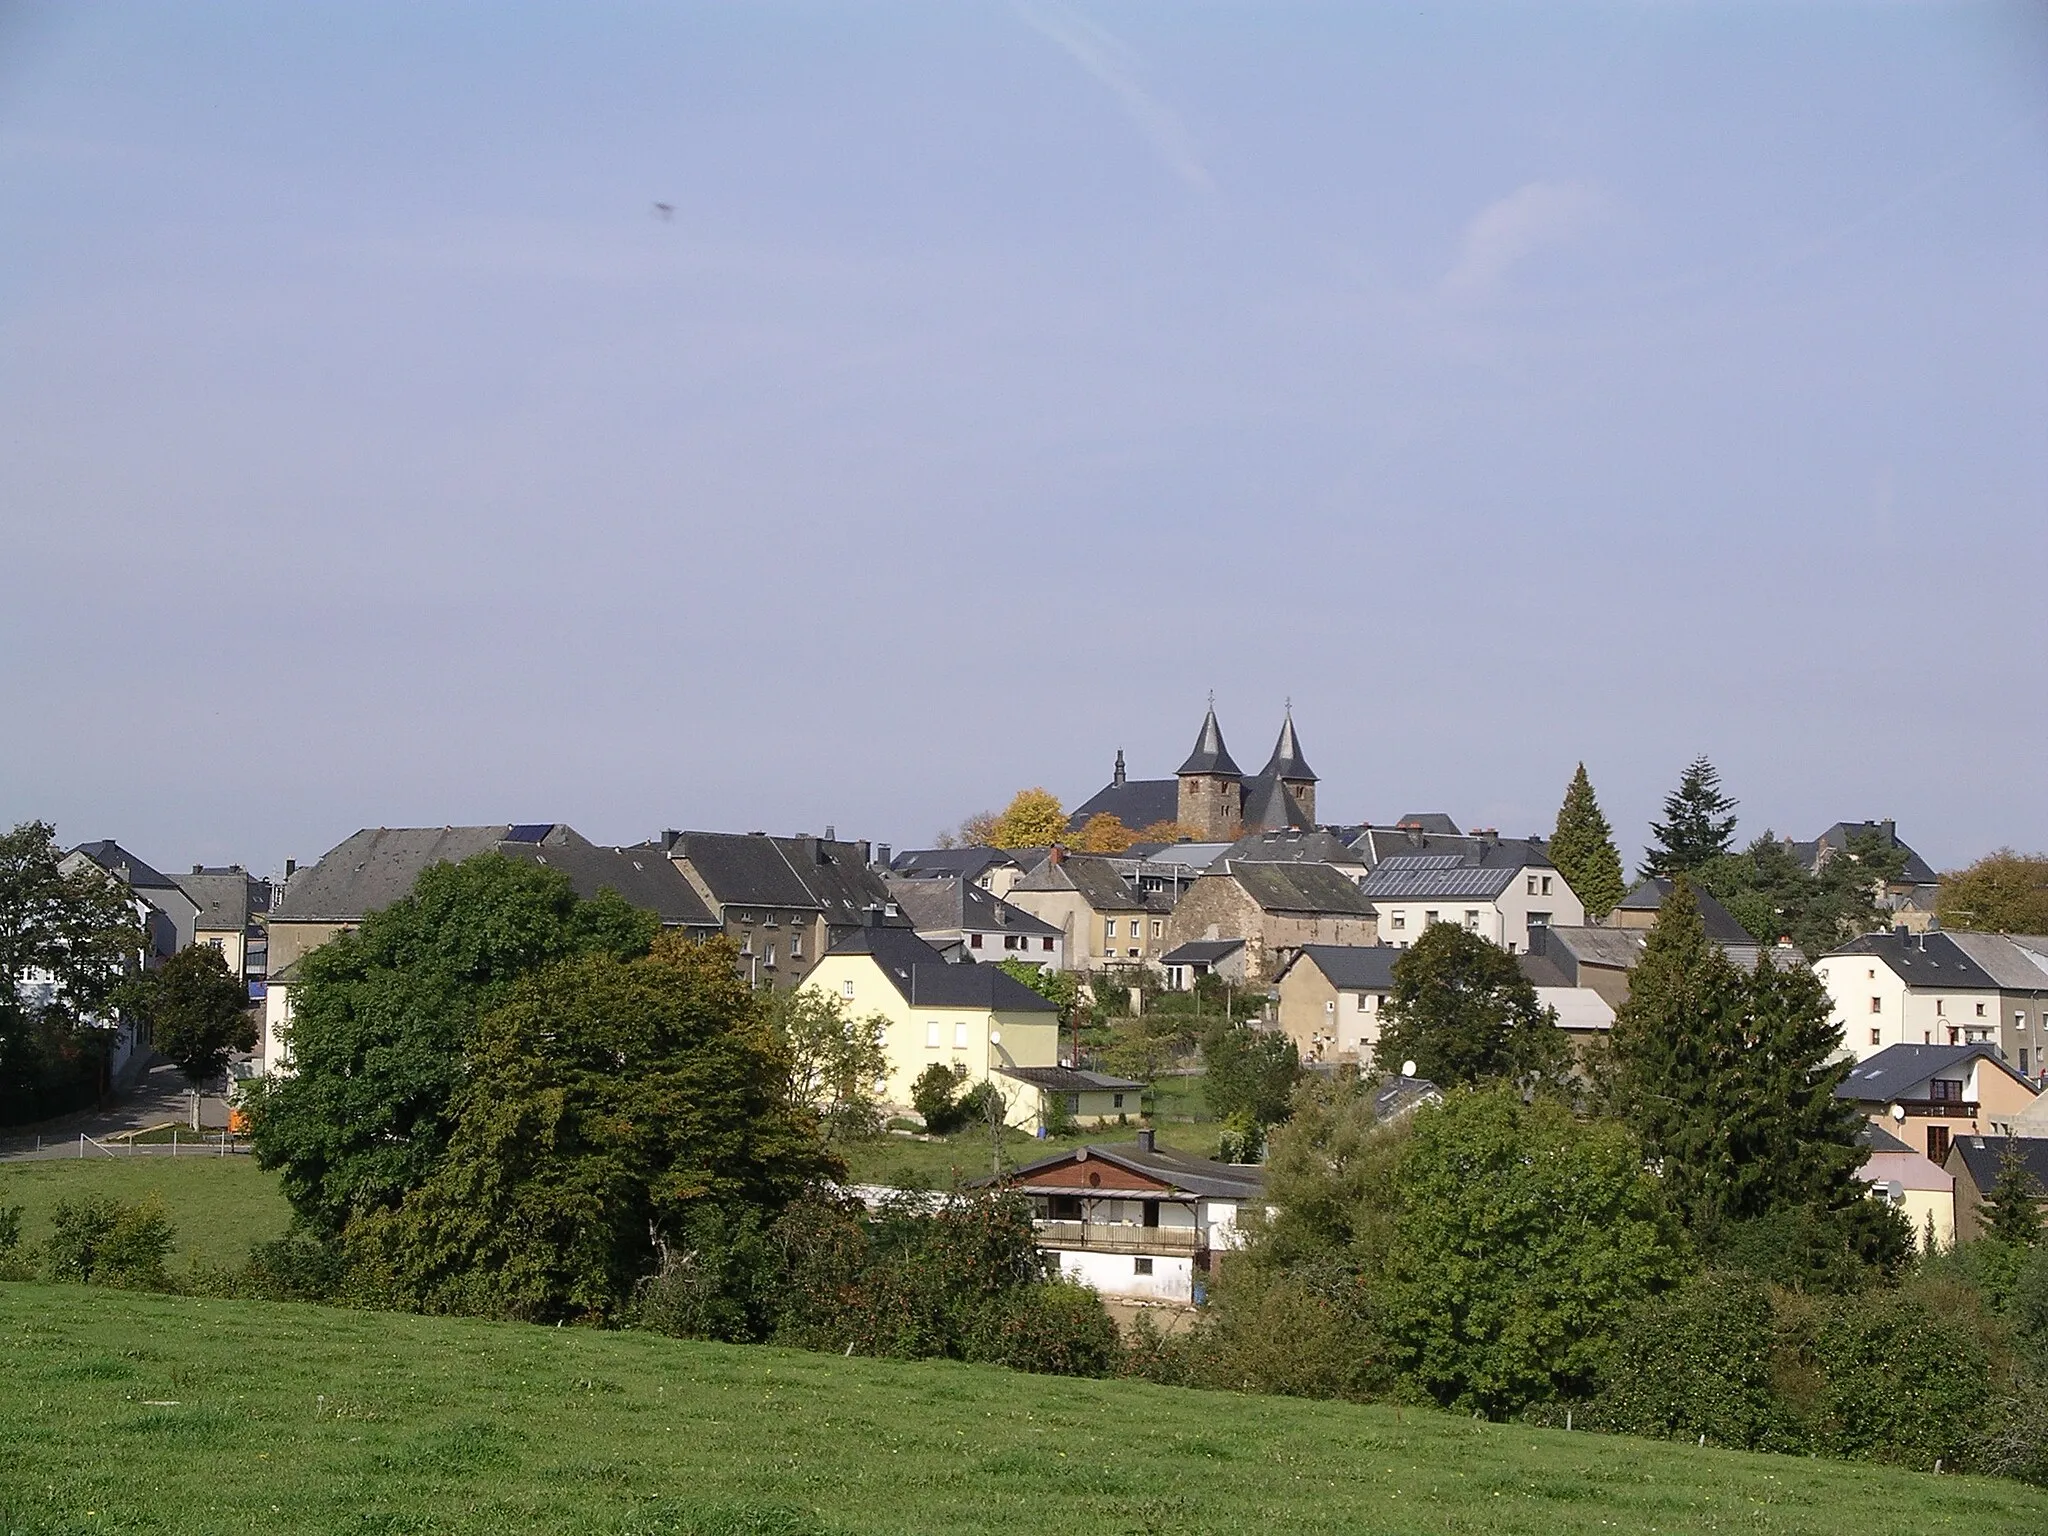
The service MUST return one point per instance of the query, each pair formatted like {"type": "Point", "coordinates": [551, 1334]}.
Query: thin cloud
{"type": "Point", "coordinates": [1106, 57]}
{"type": "Point", "coordinates": [1503, 234]}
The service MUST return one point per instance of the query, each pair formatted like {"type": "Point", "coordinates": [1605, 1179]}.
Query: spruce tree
{"type": "Point", "coordinates": [1698, 825]}
{"type": "Point", "coordinates": [1806, 1144]}
{"type": "Point", "coordinates": [2011, 1214]}
{"type": "Point", "coordinates": [1582, 848]}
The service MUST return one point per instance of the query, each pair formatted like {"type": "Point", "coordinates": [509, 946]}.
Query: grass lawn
{"type": "Point", "coordinates": [220, 1205]}
{"type": "Point", "coordinates": [886, 1159]}
{"type": "Point", "coordinates": [131, 1412]}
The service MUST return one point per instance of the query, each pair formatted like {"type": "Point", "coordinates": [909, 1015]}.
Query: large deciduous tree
{"type": "Point", "coordinates": [2003, 892]}
{"type": "Point", "coordinates": [1582, 848]}
{"type": "Point", "coordinates": [198, 1013]}
{"type": "Point", "coordinates": [1463, 1012]}
{"type": "Point", "coordinates": [1032, 819]}
{"type": "Point", "coordinates": [1102, 833]}
{"type": "Point", "coordinates": [1249, 1074]}
{"type": "Point", "coordinates": [382, 1017]}
{"type": "Point", "coordinates": [834, 1059]}
{"type": "Point", "coordinates": [1698, 824]}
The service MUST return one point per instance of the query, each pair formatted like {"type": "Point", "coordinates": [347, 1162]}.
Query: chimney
{"type": "Point", "coordinates": [873, 914]}
{"type": "Point", "coordinates": [1055, 854]}
{"type": "Point", "coordinates": [1891, 832]}
{"type": "Point", "coordinates": [291, 867]}
{"type": "Point", "coordinates": [1145, 1140]}
{"type": "Point", "coordinates": [669, 838]}
{"type": "Point", "coordinates": [882, 858]}
{"type": "Point", "coordinates": [831, 833]}
{"type": "Point", "coordinates": [198, 869]}
{"type": "Point", "coordinates": [1903, 934]}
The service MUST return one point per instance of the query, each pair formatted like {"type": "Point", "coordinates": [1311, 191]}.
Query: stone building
{"type": "Point", "coordinates": [1209, 797]}
{"type": "Point", "coordinates": [1275, 908]}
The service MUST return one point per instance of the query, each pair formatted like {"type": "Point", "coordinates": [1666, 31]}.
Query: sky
{"type": "Point", "coordinates": [777, 416]}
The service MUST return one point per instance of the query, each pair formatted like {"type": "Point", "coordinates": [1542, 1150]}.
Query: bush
{"type": "Point", "coordinates": [1292, 1334]}
{"type": "Point", "coordinates": [1900, 1382]}
{"type": "Point", "coordinates": [103, 1241]}
{"type": "Point", "coordinates": [1809, 1248]}
{"type": "Point", "coordinates": [2028, 1306]}
{"type": "Point", "coordinates": [1053, 1327]}
{"type": "Point", "coordinates": [932, 1097]}
{"type": "Point", "coordinates": [296, 1267]}
{"type": "Point", "coordinates": [1699, 1361]}
{"type": "Point", "coordinates": [717, 1282]}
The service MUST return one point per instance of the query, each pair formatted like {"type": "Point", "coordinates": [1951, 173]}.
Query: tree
{"type": "Point", "coordinates": [382, 1017]}
{"type": "Point", "coordinates": [932, 1096]}
{"type": "Point", "coordinates": [2003, 892]}
{"type": "Point", "coordinates": [1582, 848]}
{"type": "Point", "coordinates": [198, 1013]}
{"type": "Point", "coordinates": [835, 1060]}
{"type": "Point", "coordinates": [66, 944]}
{"type": "Point", "coordinates": [1463, 1012]}
{"type": "Point", "coordinates": [1032, 819]}
{"type": "Point", "coordinates": [1698, 824]}
{"type": "Point", "coordinates": [2013, 1213]}
{"type": "Point", "coordinates": [1249, 1073]}
{"type": "Point", "coordinates": [1165, 832]}
{"type": "Point", "coordinates": [1525, 1238]}
{"type": "Point", "coordinates": [1101, 833]}
{"type": "Point", "coordinates": [1774, 896]}
{"type": "Point", "coordinates": [604, 1102]}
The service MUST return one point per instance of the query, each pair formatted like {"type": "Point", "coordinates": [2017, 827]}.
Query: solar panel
{"type": "Point", "coordinates": [531, 832]}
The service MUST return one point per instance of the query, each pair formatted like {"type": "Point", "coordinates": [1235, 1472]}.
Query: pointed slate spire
{"type": "Point", "coordinates": [1210, 755]}
{"type": "Point", "coordinates": [1117, 778]}
{"type": "Point", "coordinates": [1288, 765]}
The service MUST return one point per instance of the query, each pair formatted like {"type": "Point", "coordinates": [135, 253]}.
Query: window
{"type": "Point", "coordinates": [1011, 941]}
{"type": "Point", "coordinates": [1428, 918]}
{"type": "Point", "coordinates": [1539, 919]}
{"type": "Point", "coordinates": [1532, 885]}
{"type": "Point", "coordinates": [1876, 1037]}
{"type": "Point", "coordinates": [974, 941]}
{"type": "Point", "coordinates": [1158, 927]}
{"type": "Point", "coordinates": [1945, 1090]}
{"type": "Point", "coordinates": [1064, 1208]}
{"type": "Point", "coordinates": [217, 945]}
{"type": "Point", "coordinates": [1980, 1010]}
{"type": "Point", "coordinates": [1109, 929]}
{"type": "Point", "coordinates": [931, 1034]}
{"type": "Point", "coordinates": [768, 956]}
{"type": "Point", "coordinates": [1940, 1007]}
{"type": "Point", "coordinates": [1141, 1266]}
{"type": "Point", "coordinates": [2019, 1021]}
{"type": "Point", "coordinates": [1045, 943]}
{"type": "Point", "coordinates": [960, 1036]}
{"type": "Point", "coordinates": [1546, 885]}
{"type": "Point", "coordinates": [1151, 1217]}
{"type": "Point", "coordinates": [1132, 953]}
{"type": "Point", "coordinates": [796, 946]}
{"type": "Point", "coordinates": [1117, 1101]}
{"type": "Point", "coordinates": [1400, 921]}
{"type": "Point", "coordinates": [1937, 1143]}
{"type": "Point", "coordinates": [1471, 921]}
{"type": "Point", "coordinates": [2023, 1061]}
{"type": "Point", "coordinates": [1877, 1005]}
{"type": "Point", "coordinates": [846, 989]}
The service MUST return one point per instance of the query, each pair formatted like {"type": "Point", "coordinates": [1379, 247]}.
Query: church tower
{"type": "Point", "coordinates": [1291, 770]}
{"type": "Point", "coordinates": [1211, 787]}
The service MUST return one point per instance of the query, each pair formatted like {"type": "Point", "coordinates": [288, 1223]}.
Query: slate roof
{"type": "Point", "coordinates": [225, 899]}
{"type": "Point", "coordinates": [958, 904]}
{"type": "Point", "coordinates": [1374, 844]}
{"type": "Point", "coordinates": [920, 973]}
{"type": "Point", "coordinates": [1878, 1139]}
{"type": "Point", "coordinates": [1189, 1175]}
{"type": "Point", "coordinates": [1210, 755]}
{"type": "Point", "coordinates": [376, 866]}
{"type": "Point", "coordinates": [2014, 966]}
{"type": "Point", "coordinates": [1983, 1155]}
{"type": "Point", "coordinates": [1287, 761]}
{"type": "Point", "coordinates": [1096, 880]}
{"type": "Point", "coordinates": [1720, 923]}
{"type": "Point", "coordinates": [942, 863]}
{"type": "Point", "coordinates": [1403, 1095]}
{"type": "Point", "coordinates": [1202, 952]}
{"type": "Point", "coordinates": [1298, 888]}
{"type": "Point", "coordinates": [1836, 840]}
{"type": "Point", "coordinates": [1137, 803]}
{"type": "Point", "coordinates": [1891, 1072]}
{"type": "Point", "coordinates": [124, 866]}
{"type": "Point", "coordinates": [745, 869]}
{"type": "Point", "coordinates": [1619, 948]}
{"type": "Point", "coordinates": [1269, 804]}
{"type": "Point", "coordinates": [1923, 960]}
{"type": "Point", "coordinates": [837, 874]}
{"type": "Point", "coordinates": [643, 876]}
{"type": "Point", "coordinates": [1071, 1080]}
{"type": "Point", "coordinates": [1294, 846]}
{"type": "Point", "coordinates": [1190, 857]}
{"type": "Point", "coordinates": [1352, 967]}
{"type": "Point", "coordinates": [1426, 876]}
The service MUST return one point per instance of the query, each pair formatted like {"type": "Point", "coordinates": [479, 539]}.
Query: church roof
{"type": "Point", "coordinates": [1137, 803]}
{"type": "Point", "coordinates": [1287, 763]}
{"type": "Point", "coordinates": [1210, 755]}
{"type": "Point", "coordinates": [1270, 806]}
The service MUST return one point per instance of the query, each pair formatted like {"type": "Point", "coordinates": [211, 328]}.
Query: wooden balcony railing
{"type": "Point", "coordinates": [1120, 1237]}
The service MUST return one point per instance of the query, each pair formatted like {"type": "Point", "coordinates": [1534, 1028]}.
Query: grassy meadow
{"type": "Point", "coordinates": [220, 1204]}
{"type": "Point", "coordinates": [140, 1413]}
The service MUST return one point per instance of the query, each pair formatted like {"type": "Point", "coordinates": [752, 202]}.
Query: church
{"type": "Point", "coordinates": [1210, 798]}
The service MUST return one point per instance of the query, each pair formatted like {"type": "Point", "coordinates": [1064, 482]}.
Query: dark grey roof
{"type": "Point", "coordinates": [1270, 804]}
{"type": "Point", "coordinates": [1924, 960]}
{"type": "Point", "coordinates": [969, 863]}
{"type": "Point", "coordinates": [1210, 755]}
{"type": "Point", "coordinates": [1887, 1075]}
{"type": "Point", "coordinates": [1618, 948]}
{"type": "Point", "coordinates": [1202, 952]}
{"type": "Point", "coordinates": [745, 869]}
{"type": "Point", "coordinates": [1374, 844]}
{"type": "Point", "coordinates": [1191, 1175]}
{"type": "Point", "coordinates": [2015, 967]}
{"type": "Point", "coordinates": [1399, 1095]}
{"type": "Point", "coordinates": [1069, 1080]}
{"type": "Point", "coordinates": [837, 874]}
{"type": "Point", "coordinates": [1294, 845]}
{"type": "Point", "coordinates": [225, 898]}
{"type": "Point", "coordinates": [1984, 1156]}
{"type": "Point", "coordinates": [1137, 803]}
{"type": "Point", "coordinates": [1352, 967]}
{"type": "Point", "coordinates": [1878, 1139]}
{"type": "Point", "coordinates": [1548, 969]}
{"type": "Point", "coordinates": [124, 866]}
{"type": "Point", "coordinates": [1297, 888]}
{"type": "Point", "coordinates": [370, 870]}
{"type": "Point", "coordinates": [643, 876]}
{"type": "Point", "coordinates": [1836, 840]}
{"type": "Point", "coordinates": [1719, 922]}
{"type": "Point", "coordinates": [1424, 876]}
{"type": "Point", "coordinates": [948, 905]}
{"type": "Point", "coordinates": [921, 974]}
{"type": "Point", "coordinates": [1095, 879]}
{"type": "Point", "coordinates": [1287, 762]}
{"type": "Point", "coordinates": [1429, 821]}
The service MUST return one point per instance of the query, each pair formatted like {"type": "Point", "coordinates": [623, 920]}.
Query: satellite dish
{"type": "Point", "coordinates": [1407, 1069]}
{"type": "Point", "coordinates": [1895, 1191]}
{"type": "Point", "coordinates": [1899, 1113]}
{"type": "Point", "coordinates": [995, 1037]}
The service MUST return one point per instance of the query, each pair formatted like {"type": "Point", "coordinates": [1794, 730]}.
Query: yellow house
{"type": "Point", "coordinates": [974, 1017]}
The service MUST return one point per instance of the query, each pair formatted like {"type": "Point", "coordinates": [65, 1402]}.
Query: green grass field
{"type": "Point", "coordinates": [134, 1413]}
{"type": "Point", "coordinates": [934, 1163]}
{"type": "Point", "coordinates": [220, 1204]}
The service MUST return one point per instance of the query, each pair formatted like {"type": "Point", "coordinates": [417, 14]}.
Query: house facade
{"type": "Point", "coordinates": [1906, 988]}
{"type": "Point", "coordinates": [1275, 909]}
{"type": "Point", "coordinates": [969, 923]}
{"type": "Point", "coordinates": [1102, 919]}
{"type": "Point", "coordinates": [231, 913]}
{"type": "Point", "coordinates": [1923, 1192]}
{"type": "Point", "coordinates": [1928, 1095]}
{"type": "Point", "coordinates": [1331, 997]}
{"type": "Point", "coordinates": [1186, 964]}
{"type": "Point", "coordinates": [1976, 1162]}
{"type": "Point", "coordinates": [1497, 891]}
{"type": "Point", "coordinates": [1092, 1099]}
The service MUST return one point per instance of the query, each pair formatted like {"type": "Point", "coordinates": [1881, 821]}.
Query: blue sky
{"type": "Point", "coordinates": [1508, 385]}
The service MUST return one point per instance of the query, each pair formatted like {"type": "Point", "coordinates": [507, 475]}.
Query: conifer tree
{"type": "Point", "coordinates": [1806, 1149]}
{"type": "Point", "coordinates": [1698, 825]}
{"type": "Point", "coordinates": [2011, 1214]}
{"type": "Point", "coordinates": [1582, 848]}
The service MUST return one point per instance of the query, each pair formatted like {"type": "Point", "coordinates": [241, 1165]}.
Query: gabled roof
{"type": "Point", "coordinates": [1351, 967]}
{"type": "Point", "coordinates": [1836, 840]}
{"type": "Point", "coordinates": [2015, 966]}
{"type": "Point", "coordinates": [1618, 948]}
{"type": "Point", "coordinates": [642, 876]}
{"type": "Point", "coordinates": [1923, 960]}
{"type": "Point", "coordinates": [1438, 822]}
{"type": "Point", "coordinates": [1296, 888]}
{"type": "Point", "coordinates": [958, 905]}
{"type": "Point", "coordinates": [1892, 1072]}
{"type": "Point", "coordinates": [1188, 858]}
{"type": "Point", "coordinates": [1071, 1080]}
{"type": "Point", "coordinates": [1720, 923]}
{"type": "Point", "coordinates": [376, 866]}
{"type": "Point", "coordinates": [941, 863]}
{"type": "Point", "coordinates": [1137, 803]}
{"type": "Point", "coordinates": [1294, 845]}
{"type": "Point", "coordinates": [745, 869]}
{"type": "Point", "coordinates": [1210, 755]}
{"type": "Point", "coordinates": [1202, 952]}
{"type": "Point", "coordinates": [225, 898]}
{"type": "Point", "coordinates": [1399, 1096]}
{"type": "Point", "coordinates": [125, 867]}
{"type": "Point", "coordinates": [1374, 844]}
{"type": "Point", "coordinates": [1984, 1156]}
{"type": "Point", "coordinates": [837, 875]}
{"type": "Point", "coordinates": [1188, 1175]}
{"type": "Point", "coordinates": [1427, 876]}
{"type": "Point", "coordinates": [920, 973]}
{"type": "Point", "coordinates": [1095, 880]}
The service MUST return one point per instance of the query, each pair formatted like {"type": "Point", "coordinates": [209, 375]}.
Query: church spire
{"type": "Point", "coordinates": [1288, 765]}
{"type": "Point", "coordinates": [1210, 755]}
{"type": "Point", "coordinates": [1117, 778]}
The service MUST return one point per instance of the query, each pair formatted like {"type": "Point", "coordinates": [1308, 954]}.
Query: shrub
{"type": "Point", "coordinates": [11, 1265]}
{"type": "Point", "coordinates": [1698, 1361]}
{"type": "Point", "coordinates": [1810, 1248]}
{"type": "Point", "coordinates": [1900, 1382]}
{"type": "Point", "coordinates": [100, 1240]}
{"type": "Point", "coordinates": [1293, 1334]}
{"type": "Point", "coordinates": [1053, 1327]}
{"type": "Point", "coordinates": [299, 1266]}
{"type": "Point", "coordinates": [932, 1097]}
{"type": "Point", "coordinates": [716, 1282]}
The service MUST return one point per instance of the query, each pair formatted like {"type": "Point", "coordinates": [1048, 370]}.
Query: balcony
{"type": "Point", "coordinates": [1120, 1237]}
{"type": "Point", "coordinates": [1943, 1109]}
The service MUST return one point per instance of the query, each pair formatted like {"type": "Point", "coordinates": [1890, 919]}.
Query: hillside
{"type": "Point", "coordinates": [220, 1205]}
{"type": "Point", "coordinates": [153, 1413]}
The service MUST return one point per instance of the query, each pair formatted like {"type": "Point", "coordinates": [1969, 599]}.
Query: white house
{"type": "Point", "coordinates": [1499, 891]}
{"type": "Point", "coordinates": [1903, 988]}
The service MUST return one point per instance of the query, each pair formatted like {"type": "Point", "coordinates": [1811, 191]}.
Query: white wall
{"type": "Point", "coordinates": [1504, 920]}
{"type": "Point", "coordinates": [1115, 1274]}
{"type": "Point", "coordinates": [1903, 1015]}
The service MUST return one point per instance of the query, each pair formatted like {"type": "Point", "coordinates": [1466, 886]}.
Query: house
{"type": "Point", "coordinates": [1924, 1192]}
{"type": "Point", "coordinates": [994, 870]}
{"type": "Point", "coordinates": [1581, 1010]}
{"type": "Point", "coordinates": [1502, 891]}
{"type": "Point", "coordinates": [1137, 1222]}
{"type": "Point", "coordinates": [784, 901]}
{"type": "Point", "coordinates": [1330, 1000]}
{"type": "Point", "coordinates": [1927, 1095]}
{"type": "Point", "coordinates": [1209, 798]}
{"type": "Point", "coordinates": [1102, 918]}
{"type": "Point", "coordinates": [1906, 988]}
{"type": "Point", "coordinates": [977, 1019]}
{"type": "Point", "coordinates": [1091, 1098]}
{"type": "Point", "coordinates": [1275, 909]}
{"type": "Point", "coordinates": [168, 916]}
{"type": "Point", "coordinates": [1594, 959]}
{"type": "Point", "coordinates": [2018, 964]}
{"type": "Point", "coordinates": [1188, 963]}
{"type": "Point", "coordinates": [1639, 908]}
{"type": "Point", "coordinates": [953, 913]}
{"type": "Point", "coordinates": [1910, 898]}
{"type": "Point", "coordinates": [1977, 1161]}
{"type": "Point", "coordinates": [231, 909]}
{"type": "Point", "coordinates": [376, 866]}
